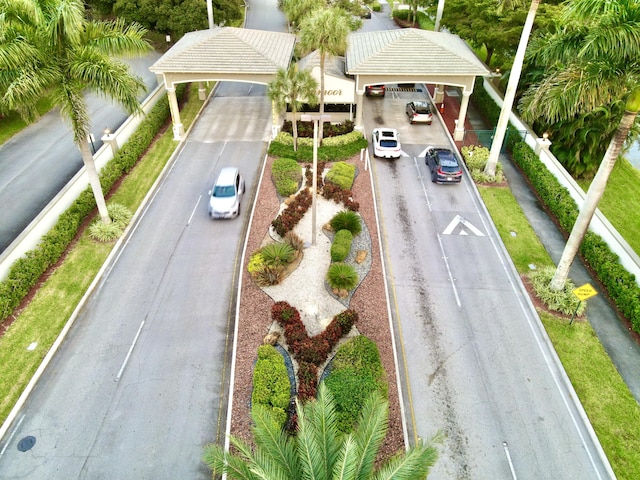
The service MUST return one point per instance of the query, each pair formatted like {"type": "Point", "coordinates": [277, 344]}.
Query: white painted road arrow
{"type": "Point", "coordinates": [458, 220]}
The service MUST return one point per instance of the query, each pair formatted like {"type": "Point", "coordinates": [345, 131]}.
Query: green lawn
{"type": "Point", "coordinates": [621, 201]}
{"type": "Point", "coordinates": [12, 123]}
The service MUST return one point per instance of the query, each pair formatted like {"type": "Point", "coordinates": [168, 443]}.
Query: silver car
{"type": "Point", "coordinates": [225, 197]}
{"type": "Point", "coordinates": [419, 112]}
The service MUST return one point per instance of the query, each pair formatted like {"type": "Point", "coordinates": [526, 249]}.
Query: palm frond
{"type": "Point", "coordinates": [308, 448]}
{"type": "Point", "coordinates": [345, 467]}
{"type": "Point", "coordinates": [371, 428]}
{"type": "Point", "coordinates": [416, 463]}
{"type": "Point", "coordinates": [325, 419]}
{"type": "Point", "coordinates": [275, 443]}
{"type": "Point", "coordinates": [222, 462]}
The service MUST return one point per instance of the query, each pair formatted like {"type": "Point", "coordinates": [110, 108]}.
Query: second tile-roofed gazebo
{"type": "Point", "coordinates": [412, 55]}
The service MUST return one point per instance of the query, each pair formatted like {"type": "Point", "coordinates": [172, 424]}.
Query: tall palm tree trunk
{"type": "Point", "coordinates": [596, 189]}
{"type": "Point", "coordinates": [94, 181]}
{"type": "Point", "coordinates": [510, 94]}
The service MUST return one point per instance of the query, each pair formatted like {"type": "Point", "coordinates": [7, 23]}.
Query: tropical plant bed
{"type": "Point", "coordinates": [368, 301]}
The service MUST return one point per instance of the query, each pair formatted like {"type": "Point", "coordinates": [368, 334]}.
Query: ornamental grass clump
{"type": "Point", "coordinates": [563, 301]}
{"type": "Point", "coordinates": [346, 220]}
{"type": "Point", "coordinates": [342, 276]}
{"type": "Point", "coordinates": [108, 232]}
{"type": "Point", "coordinates": [277, 254]}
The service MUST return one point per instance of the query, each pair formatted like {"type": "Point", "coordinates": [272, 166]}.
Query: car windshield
{"type": "Point", "coordinates": [422, 108]}
{"type": "Point", "coordinates": [449, 165]}
{"type": "Point", "coordinates": [224, 191]}
{"type": "Point", "coordinates": [388, 143]}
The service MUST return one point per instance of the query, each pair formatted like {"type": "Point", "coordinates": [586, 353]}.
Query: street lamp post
{"type": "Point", "coordinates": [314, 187]}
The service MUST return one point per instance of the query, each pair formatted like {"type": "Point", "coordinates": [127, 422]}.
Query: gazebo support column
{"type": "Point", "coordinates": [178, 128]}
{"type": "Point", "coordinates": [458, 133]}
{"type": "Point", "coordinates": [359, 107]}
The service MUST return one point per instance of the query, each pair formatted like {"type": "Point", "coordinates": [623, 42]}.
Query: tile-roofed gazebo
{"type": "Point", "coordinates": [413, 55]}
{"type": "Point", "coordinates": [223, 54]}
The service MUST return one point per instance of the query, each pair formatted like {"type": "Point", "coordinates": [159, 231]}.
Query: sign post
{"type": "Point", "coordinates": [582, 292]}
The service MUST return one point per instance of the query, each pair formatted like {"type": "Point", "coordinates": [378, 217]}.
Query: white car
{"type": "Point", "coordinates": [386, 142]}
{"type": "Point", "coordinates": [226, 194]}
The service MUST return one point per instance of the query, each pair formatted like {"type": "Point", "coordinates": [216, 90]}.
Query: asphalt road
{"type": "Point", "coordinates": [476, 365]}
{"type": "Point", "coordinates": [38, 162]}
{"type": "Point", "coordinates": [140, 384]}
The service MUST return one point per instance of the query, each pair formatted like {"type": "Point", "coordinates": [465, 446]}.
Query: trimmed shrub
{"type": "Point", "coordinates": [341, 245]}
{"type": "Point", "coordinates": [346, 220]}
{"type": "Point", "coordinates": [290, 216]}
{"type": "Point", "coordinates": [256, 262]}
{"type": "Point", "coordinates": [341, 174]}
{"type": "Point", "coordinates": [342, 276]}
{"type": "Point", "coordinates": [332, 149]}
{"type": "Point", "coordinates": [356, 371]}
{"type": "Point", "coordinates": [271, 386]}
{"type": "Point", "coordinates": [287, 175]}
{"type": "Point", "coordinates": [475, 157]}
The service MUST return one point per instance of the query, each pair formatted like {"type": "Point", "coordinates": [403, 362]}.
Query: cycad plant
{"type": "Point", "coordinates": [319, 449]}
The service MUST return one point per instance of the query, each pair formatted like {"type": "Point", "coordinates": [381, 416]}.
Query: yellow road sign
{"type": "Point", "coordinates": [584, 291]}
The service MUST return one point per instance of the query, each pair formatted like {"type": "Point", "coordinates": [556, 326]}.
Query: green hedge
{"type": "Point", "coordinates": [26, 271]}
{"type": "Point", "coordinates": [287, 175]}
{"type": "Point", "coordinates": [341, 174]}
{"type": "Point", "coordinates": [271, 385]}
{"type": "Point", "coordinates": [355, 372]}
{"type": "Point", "coordinates": [341, 245]}
{"type": "Point", "coordinates": [619, 283]}
{"type": "Point", "coordinates": [332, 149]}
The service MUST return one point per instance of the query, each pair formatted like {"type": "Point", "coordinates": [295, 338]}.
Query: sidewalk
{"type": "Point", "coordinates": [612, 332]}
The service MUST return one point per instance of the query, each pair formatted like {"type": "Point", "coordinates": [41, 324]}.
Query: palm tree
{"type": "Point", "coordinates": [296, 10]}
{"type": "Point", "coordinates": [512, 85]}
{"type": "Point", "coordinates": [594, 62]}
{"type": "Point", "coordinates": [319, 450]}
{"type": "Point", "coordinates": [294, 87]}
{"type": "Point", "coordinates": [49, 49]}
{"type": "Point", "coordinates": [325, 30]}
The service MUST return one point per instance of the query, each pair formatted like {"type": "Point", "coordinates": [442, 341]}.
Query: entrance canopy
{"type": "Point", "coordinates": [411, 55]}
{"type": "Point", "coordinates": [226, 53]}
{"type": "Point", "coordinates": [222, 54]}
{"type": "Point", "coordinates": [391, 56]}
